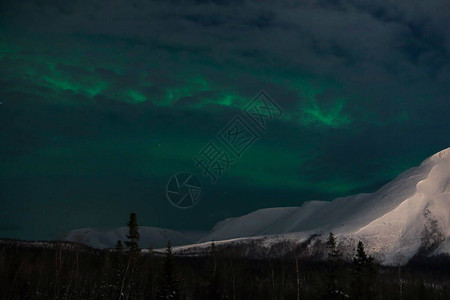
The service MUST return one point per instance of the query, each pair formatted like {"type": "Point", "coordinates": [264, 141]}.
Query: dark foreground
{"type": "Point", "coordinates": [73, 271]}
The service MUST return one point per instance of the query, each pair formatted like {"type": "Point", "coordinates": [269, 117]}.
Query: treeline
{"type": "Point", "coordinates": [61, 272]}
{"type": "Point", "coordinates": [52, 270]}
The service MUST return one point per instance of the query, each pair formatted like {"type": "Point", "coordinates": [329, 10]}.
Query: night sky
{"type": "Point", "coordinates": [101, 102]}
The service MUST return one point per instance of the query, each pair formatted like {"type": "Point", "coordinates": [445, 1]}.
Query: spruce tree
{"type": "Point", "coordinates": [119, 245]}
{"type": "Point", "coordinates": [363, 273]}
{"type": "Point", "coordinates": [333, 267]}
{"type": "Point", "coordinates": [129, 285]}
{"type": "Point", "coordinates": [168, 284]}
{"type": "Point", "coordinates": [361, 260]}
{"type": "Point", "coordinates": [333, 251]}
{"type": "Point", "coordinates": [133, 234]}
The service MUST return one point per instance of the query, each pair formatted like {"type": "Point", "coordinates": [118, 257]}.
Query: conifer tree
{"type": "Point", "coordinates": [363, 273]}
{"type": "Point", "coordinates": [133, 233]}
{"type": "Point", "coordinates": [168, 284]}
{"type": "Point", "coordinates": [361, 260]}
{"type": "Point", "coordinates": [119, 245]}
{"type": "Point", "coordinates": [334, 267]}
{"type": "Point", "coordinates": [129, 286]}
{"type": "Point", "coordinates": [333, 251]}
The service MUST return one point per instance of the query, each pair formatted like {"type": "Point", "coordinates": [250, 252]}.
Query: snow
{"type": "Point", "coordinates": [390, 221]}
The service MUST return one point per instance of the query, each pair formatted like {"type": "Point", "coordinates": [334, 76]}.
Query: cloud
{"type": "Point", "coordinates": [376, 52]}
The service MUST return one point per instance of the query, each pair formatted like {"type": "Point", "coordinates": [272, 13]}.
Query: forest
{"type": "Point", "coordinates": [66, 270]}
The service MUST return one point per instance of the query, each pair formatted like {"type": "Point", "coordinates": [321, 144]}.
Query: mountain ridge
{"type": "Point", "coordinates": [392, 221]}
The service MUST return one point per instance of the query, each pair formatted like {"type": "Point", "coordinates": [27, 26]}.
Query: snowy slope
{"type": "Point", "coordinates": [391, 221]}
{"type": "Point", "coordinates": [149, 237]}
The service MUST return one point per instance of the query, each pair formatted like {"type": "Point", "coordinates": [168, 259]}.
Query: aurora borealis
{"type": "Point", "coordinates": [103, 101]}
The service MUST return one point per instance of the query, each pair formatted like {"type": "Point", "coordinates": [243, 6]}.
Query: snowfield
{"type": "Point", "coordinates": [407, 215]}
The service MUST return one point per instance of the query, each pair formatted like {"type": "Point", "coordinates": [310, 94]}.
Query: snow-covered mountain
{"type": "Point", "coordinates": [411, 211]}
{"type": "Point", "coordinates": [149, 237]}
{"type": "Point", "coordinates": [409, 214]}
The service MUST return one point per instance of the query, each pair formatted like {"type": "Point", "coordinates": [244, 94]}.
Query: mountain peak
{"type": "Point", "coordinates": [393, 222]}
{"type": "Point", "coordinates": [409, 214]}
{"type": "Point", "coordinates": [443, 155]}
